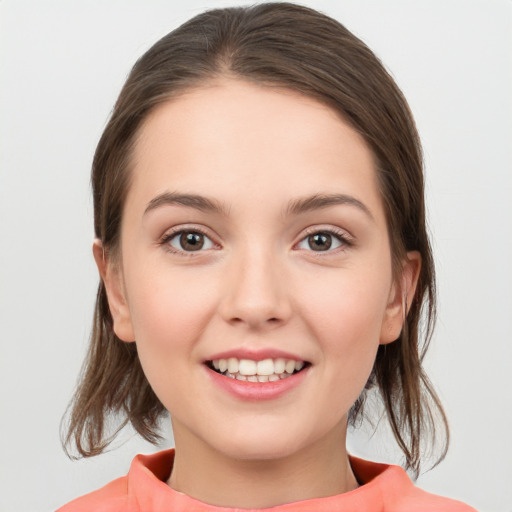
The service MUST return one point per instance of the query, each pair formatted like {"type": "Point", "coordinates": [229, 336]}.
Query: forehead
{"type": "Point", "coordinates": [231, 135]}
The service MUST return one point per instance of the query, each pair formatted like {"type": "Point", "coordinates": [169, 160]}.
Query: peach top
{"type": "Point", "coordinates": [384, 488]}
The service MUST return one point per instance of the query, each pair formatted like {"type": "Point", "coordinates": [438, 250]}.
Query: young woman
{"type": "Point", "coordinates": [264, 262]}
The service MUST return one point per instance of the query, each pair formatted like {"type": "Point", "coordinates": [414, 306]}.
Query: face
{"type": "Point", "coordinates": [255, 271]}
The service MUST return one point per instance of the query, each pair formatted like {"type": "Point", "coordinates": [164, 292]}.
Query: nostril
{"type": "Point", "coordinates": [238, 320]}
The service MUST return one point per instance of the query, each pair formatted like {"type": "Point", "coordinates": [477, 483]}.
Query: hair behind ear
{"type": "Point", "coordinates": [411, 404]}
{"type": "Point", "coordinates": [111, 383]}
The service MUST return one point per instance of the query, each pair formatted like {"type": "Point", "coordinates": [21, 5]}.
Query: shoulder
{"type": "Point", "coordinates": [113, 497]}
{"type": "Point", "coordinates": [419, 500]}
{"type": "Point", "coordinates": [397, 493]}
{"type": "Point", "coordinates": [130, 493]}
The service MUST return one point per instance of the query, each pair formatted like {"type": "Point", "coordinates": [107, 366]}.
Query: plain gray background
{"type": "Point", "coordinates": [62, 65]}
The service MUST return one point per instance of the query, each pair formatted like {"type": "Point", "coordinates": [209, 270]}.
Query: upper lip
{"type": "Point", "coordinates": [255, 354]}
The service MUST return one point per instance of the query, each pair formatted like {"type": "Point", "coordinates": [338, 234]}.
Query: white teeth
{"type": "Point", "coordinates": [290, 366]}
{"type": "Point", "coordinates": [279, 365]}
{"type": "Point", "coordinates": [248, 367]}
{"type": "Point", "coordinates": [233, 365]}
{"type": "Point", "coordinates": [265, 367]}
{"type": "Point", "coordinates": [266, 370]}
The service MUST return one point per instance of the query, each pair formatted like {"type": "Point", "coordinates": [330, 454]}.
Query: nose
{"type": "Point", "coordinates": [257, 292]}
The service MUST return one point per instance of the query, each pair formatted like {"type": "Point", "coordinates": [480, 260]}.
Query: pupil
{"type": "Point", "coordinates": [320, 241]}
{"type": "Point", "coordinates": [192, 241]}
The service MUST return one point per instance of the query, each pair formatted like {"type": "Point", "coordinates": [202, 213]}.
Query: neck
{"type": "Point", "coordinates": [320, 470]}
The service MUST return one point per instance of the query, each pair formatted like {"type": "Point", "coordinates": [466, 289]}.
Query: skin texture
{"type": "Point", "coordinates": [257, 284]}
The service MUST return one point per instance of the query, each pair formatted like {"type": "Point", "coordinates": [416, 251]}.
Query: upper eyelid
{"type": "Point", "coordinates": [336, 231]}
{"type": "Point", "coordinates": [171, 232]}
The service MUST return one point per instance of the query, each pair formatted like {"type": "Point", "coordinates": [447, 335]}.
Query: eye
{"type": "Point", "coordinates": [188, 241]}
{"type": "Point", "coordinates": [321, 241]}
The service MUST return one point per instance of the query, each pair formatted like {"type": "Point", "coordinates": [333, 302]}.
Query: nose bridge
{"type": "Point", "coordinates": [255, 293]}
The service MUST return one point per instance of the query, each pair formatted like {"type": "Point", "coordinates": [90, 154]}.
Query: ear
{"type": "Point", "coordinates": [400, 298]}
{"type": "Point", "coordinates": [112, 277]}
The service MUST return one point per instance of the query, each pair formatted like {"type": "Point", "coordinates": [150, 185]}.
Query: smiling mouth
{"type": "Point", "coordinates": [266, 370]}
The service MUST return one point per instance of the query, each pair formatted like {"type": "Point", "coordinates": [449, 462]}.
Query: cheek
{"type": "Point", "coordinates": [348, 302]}
{"type": "Point", "coordinates": [346, 315]}
{"type": "Point", "coordinates": [169, 311]}
{"type": "Point", "coordinates": [346, 322]}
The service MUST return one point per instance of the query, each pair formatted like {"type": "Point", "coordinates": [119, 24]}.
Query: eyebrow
{"type": "Point", "coordinates": [320, 201]}
{"type": "Point", "coordinates": [295, 207]}
{"type": "Point", "coordinates": [191, 200]}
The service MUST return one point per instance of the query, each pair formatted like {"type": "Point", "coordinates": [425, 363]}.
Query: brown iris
{"type": "Point", "coordinates": [191, 241]}
{"type": "Point", "coordinates": [320, 241]}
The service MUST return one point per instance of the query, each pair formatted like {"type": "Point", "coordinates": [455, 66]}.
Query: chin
{"type": "Point", "coordinates": [254, 445]}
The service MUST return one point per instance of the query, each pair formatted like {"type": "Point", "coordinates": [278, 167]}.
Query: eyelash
{"type": "Point", "coordinates": [342, 237]}
{"type": "Point", "coordinates": [168, 237]}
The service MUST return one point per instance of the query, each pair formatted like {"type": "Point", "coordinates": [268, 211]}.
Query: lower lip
{"type": "Point", "coordinates": [246, 390]}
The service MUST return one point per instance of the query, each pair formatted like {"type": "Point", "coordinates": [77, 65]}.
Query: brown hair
{"type": "Point", "coordinates": [278, 44]}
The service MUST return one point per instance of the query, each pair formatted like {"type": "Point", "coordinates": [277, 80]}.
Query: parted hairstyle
{"type": "Point", "coordinates": [298, 48]}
